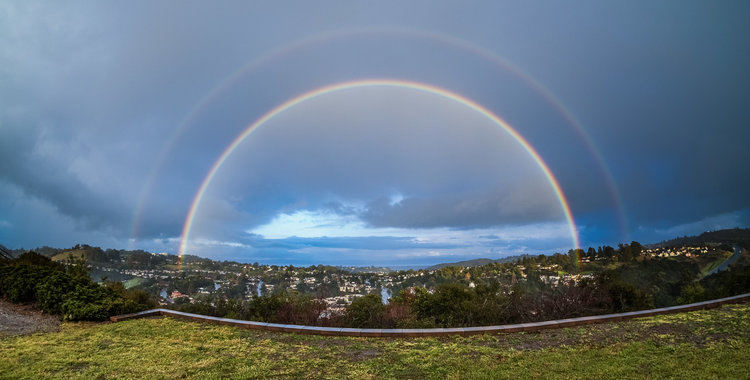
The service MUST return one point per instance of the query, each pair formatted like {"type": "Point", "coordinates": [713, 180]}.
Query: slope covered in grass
{"type": "Point", "coordinates": [703, 344]}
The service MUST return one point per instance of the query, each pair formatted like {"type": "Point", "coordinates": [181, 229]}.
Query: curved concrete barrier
{"type": "Point", "coordinates": [394, 333]}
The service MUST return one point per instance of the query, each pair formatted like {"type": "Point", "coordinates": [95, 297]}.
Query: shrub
{"type": "Point", "coordinates": [52, 292]}
{"type": "Point", "coordinates": [32, 277]}
{"type": "Point", "coordinates": [691, 293]}
{"type": "Point", "coordinates": [365, 312]}
{"type": "Point", "coordinates": [92, 302]}
{"type": "Point", "coordinates": [138, 296]}
{"type": "Point", "coordinates": [19, 282]}
{"type": "Point", "coordinates": [452, 304]}
{"type": "Point", "coordinates": [624, 296]}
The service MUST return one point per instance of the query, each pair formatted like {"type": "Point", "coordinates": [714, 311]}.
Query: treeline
{"type": "Point", "coordinates": [448, 305]}
{"type": "Point", "coordinates": [458, 297]}
{"type": "Point", "coordinates": [458, 305]}
{"type": "Point", "coordinates": [281, 307]}
{"type": "Point", "coordinates": [66, 290]}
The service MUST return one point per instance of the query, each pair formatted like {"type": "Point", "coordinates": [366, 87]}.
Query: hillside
{"type": "Point", "coordinates": [740, 236]}
{"type": "Point", "coordinates": [702, 344]}
{"type": "Point", "coordinates": [476, 262]}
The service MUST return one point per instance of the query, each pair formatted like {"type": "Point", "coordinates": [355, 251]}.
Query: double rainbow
{"type": "Point", "coordinates": [377, 83]}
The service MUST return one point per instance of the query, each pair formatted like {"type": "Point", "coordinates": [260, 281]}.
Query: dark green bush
{"type": "Point", "coordinates": [138, 296]}
{"type": "Point", "coordinates": [35, 278]}
{"type": "Point", "coordinates": [365, 312]}
{"type": "Point", "coordinates": [52, 292]}
{"type": "Point", "coordinates": [92, 302]}
{"type": "Point", "coordinates": [19, 282]}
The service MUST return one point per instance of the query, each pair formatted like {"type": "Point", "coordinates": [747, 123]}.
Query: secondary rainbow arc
{"type": "Point", "coordinates": [453, 41]}
{"type": "Point", "coordinates": [377, 83]}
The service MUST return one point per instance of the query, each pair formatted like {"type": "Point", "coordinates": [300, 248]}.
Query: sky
{"type": "Point", "coordinates": [401, 134]}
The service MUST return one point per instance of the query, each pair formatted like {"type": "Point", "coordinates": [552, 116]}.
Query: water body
{"type": "Point", "coordinates": [216, 286]}
{"type": "Point", "coordinates": [260, 285]}
{"type": "Point", "coordinates": [385, 294]}
{"type": "Point", "coordinates": [163, 293]}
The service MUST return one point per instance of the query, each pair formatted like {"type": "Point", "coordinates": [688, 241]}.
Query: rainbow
{"type": "Point", "coordinates": [467, 46]}
{"type": "Point", "coordinates": [319, 38]}
{"type": "Point", "coordinates": [376, 83]}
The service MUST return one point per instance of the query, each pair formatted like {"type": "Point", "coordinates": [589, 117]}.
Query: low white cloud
{"type": "Point", "coordinates": [314, 223]}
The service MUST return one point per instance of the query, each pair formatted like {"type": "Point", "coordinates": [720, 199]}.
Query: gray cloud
{"type": "Point", "coordinates": [96, 99]}
{"type": "Point", "coordinates": [519, 206]}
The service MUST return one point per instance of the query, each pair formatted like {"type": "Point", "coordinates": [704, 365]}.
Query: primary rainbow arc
{"type": "Point", "coordinates": [377, 83]}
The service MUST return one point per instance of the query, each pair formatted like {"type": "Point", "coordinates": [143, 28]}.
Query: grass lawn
{"type": "Point", "coordinates": [702, 344]}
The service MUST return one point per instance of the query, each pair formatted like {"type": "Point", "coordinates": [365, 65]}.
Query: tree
{"type": "Point", "coordinates": [591, 253]}
{"type": "Point", "coordinates": [636, 248]}
{"type": "Point", "coordinates": [692, 292]}
{"type": "Point", "coordinates": [77, 267]}
{"type": "Point", "coordinates": [365, 312]}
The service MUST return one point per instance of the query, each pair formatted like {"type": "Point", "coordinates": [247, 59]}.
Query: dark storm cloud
{"type": "Point", "coordinates": [482, 210]}
{"type": "Point", "coordinates": [92, 94]}
{"type": "Point", "coordinates": [663, 99]}
{"type": "Point", "coordinates": [30, 163]}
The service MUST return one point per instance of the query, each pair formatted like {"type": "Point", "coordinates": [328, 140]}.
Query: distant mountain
{"type": "Point", "coordinates": [370, 269]}
{"type": "Point", "coordinates": [476, 262]}
{"type": "Point", "coordinates": [740, 236]}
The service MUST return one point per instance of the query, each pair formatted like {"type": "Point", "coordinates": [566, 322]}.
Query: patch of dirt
{"type": "Point", "coordinates": [24, 320]}
{"type": "Point", "coordinates": [362, 355]}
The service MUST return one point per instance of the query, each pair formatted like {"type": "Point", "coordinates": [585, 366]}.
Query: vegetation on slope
{"type": "Point", "coordinates": [740, 236]}
{"type": "Point", "coordinates": [530, 288]}
{"type": "Point", "coordinates": [701, 344]}
{"type": "Point", "coordinates": [66, 290]}
{"type": "Point", "coordinates": [461, 297]}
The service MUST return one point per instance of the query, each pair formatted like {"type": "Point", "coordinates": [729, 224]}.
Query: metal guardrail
{"type": "Point", "coordinates": [395, 333]}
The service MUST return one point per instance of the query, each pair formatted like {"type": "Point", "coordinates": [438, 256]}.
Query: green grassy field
{"type": "Point", "coordinates": [703, 344]}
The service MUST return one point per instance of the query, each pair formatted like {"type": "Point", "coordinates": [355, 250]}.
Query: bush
{"type": "Point", "coordinates": [624, 296]}
{"type": "Point", "coordinates": [35, 278]}
{"type": "Point", "coordinates": [52, 292]}
{"type": "Point", "coordinates": [92, 302]}
{"type": "Point", "coordinates": [138, 296]}
{"type": "Point", "coordinates": [691, 293]}
{"type": "Point", "coordinates": [19, 282]}
{"type": "Point", "coordinates": [365, 312]}
{"type": "Point", "coordinates": [452, 304]}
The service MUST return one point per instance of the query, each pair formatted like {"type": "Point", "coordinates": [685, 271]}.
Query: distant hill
{"type": "Point", "coordinates": [370, 269]}
{"type": "Point", "coordinates": [476, 262]}
{"type": "Point", "coordinates": [142, 259]}
{"type": "Point", "coordinates": [740, 236]}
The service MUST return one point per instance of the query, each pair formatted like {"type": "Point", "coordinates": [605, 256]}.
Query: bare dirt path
{"type": "Point", "coordinates": [24, 319]}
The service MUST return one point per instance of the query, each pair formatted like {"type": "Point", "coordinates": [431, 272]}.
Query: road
{"type": "Point", "coordinates": [737, 253]}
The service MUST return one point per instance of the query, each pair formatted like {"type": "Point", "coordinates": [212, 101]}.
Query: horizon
{"type": "Point", "coordinates": [397, 267]}
{"type": "Point", "coordinates": [360, 135]}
